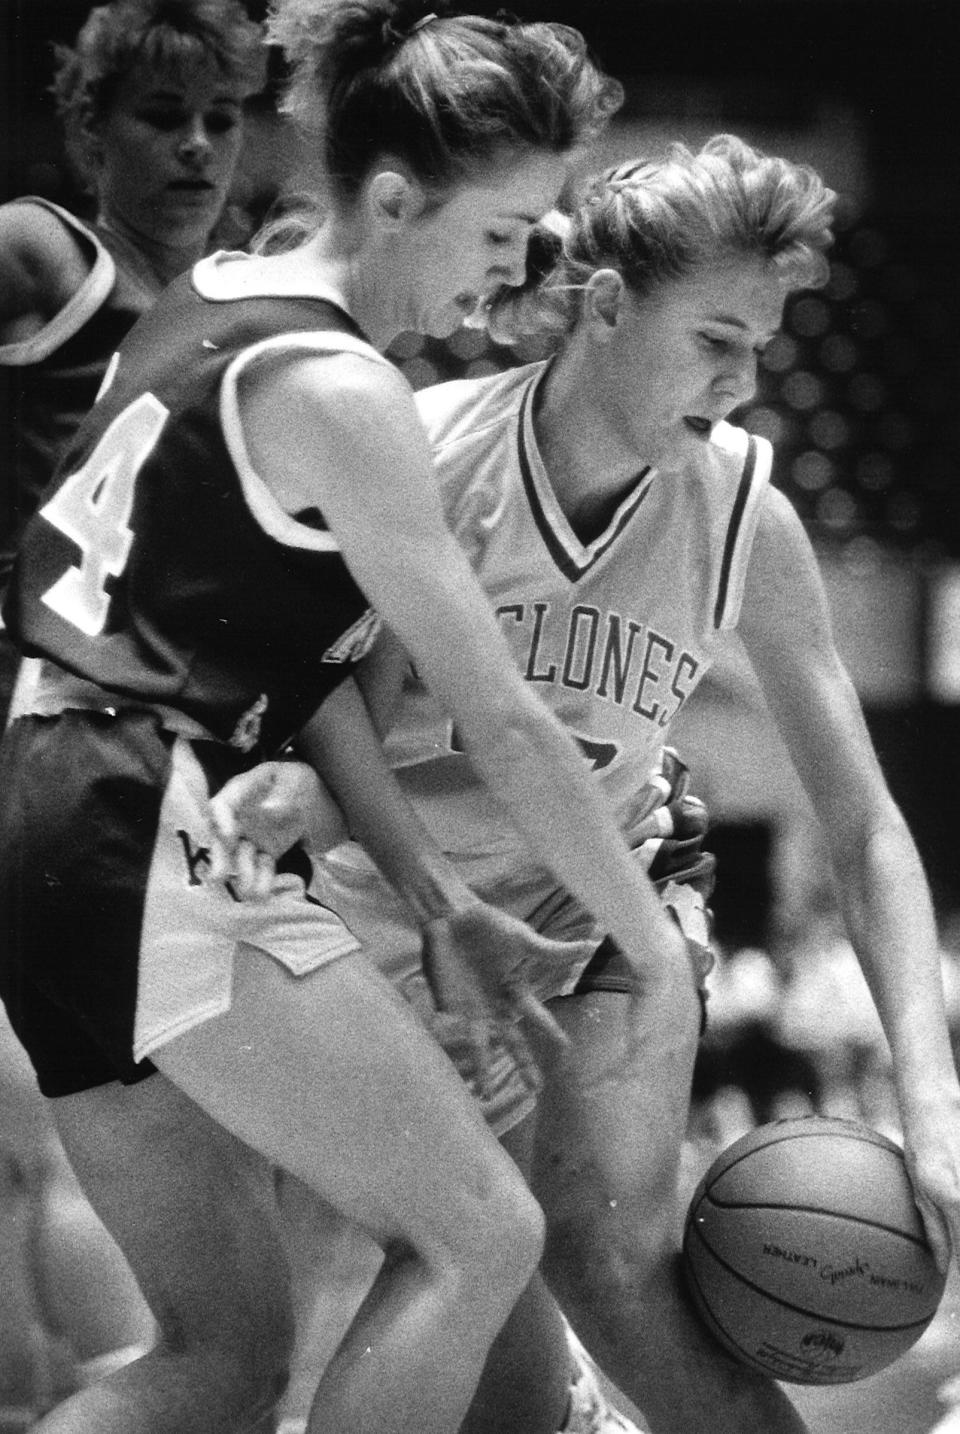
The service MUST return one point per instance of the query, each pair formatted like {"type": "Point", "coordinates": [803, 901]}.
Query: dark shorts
{"type": "Point", "coordinates": [609, 971]}
{"type": "Point", "coordinates": [115, 939]}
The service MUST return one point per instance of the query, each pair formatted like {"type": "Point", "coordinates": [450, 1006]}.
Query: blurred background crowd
{"type": "Point", "coordinates": [859, 395]}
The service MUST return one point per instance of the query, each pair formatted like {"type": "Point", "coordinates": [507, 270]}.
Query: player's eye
{"type": "Point", "coordinates": [165, 120]}
{"type": "Point", "coordinates": [222, 121]}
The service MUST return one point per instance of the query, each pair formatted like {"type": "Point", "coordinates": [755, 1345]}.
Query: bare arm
{"type": "Point", "coordinates": [380, 677]}
{"type": "Point", "coordinates": [885, 899]}
{"type": "Point", "coordinates": [41, 268]}
{"type": "Point", "coordinates": [340, 743]}
{"type": "Point", "coordinates": [359, 452]}
{"type": "Point", "coordinates": [475, 957]}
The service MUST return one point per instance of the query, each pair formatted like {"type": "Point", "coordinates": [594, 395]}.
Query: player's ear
{"type": "Point", "coordinates": [603, 302]}
{"type": "Point", "coordinates": [393, 198]}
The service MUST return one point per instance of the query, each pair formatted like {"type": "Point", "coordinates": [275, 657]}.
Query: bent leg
{"type": "Point", "coordinates": [525, 1385]}
{"type": "Point", "coordinates": [333, 1079]}
{"type": "Point", "coordinates": [193, 1212]}
{"type": "Point", "coordinates": [524, 1388]}
{"type": "Point", "coordinates": [332, 1266]}
{"type": "Point", "coordinates": [87, 1291]}
{"type": "Point", "coordinates": [609, 1137]}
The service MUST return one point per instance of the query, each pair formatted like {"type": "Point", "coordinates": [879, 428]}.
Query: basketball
{"type": "Point", "coordinates": [805, 1253]}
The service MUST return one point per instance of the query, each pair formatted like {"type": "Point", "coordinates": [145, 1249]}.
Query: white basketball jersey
{"type": "Point", "coordinates": [615, 634]}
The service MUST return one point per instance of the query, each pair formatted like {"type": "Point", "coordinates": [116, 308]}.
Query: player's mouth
{"type": "Point", "coordinates": [702, 427]}
{"type": "Point", "coordinates": [475, 310]}
{"type": "Point", "coordinates": [192, 186]}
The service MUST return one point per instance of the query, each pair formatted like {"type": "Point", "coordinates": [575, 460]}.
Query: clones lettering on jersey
{"type": "Point", "coordinates": [616, 630]}
{"type": "Point", "coordinates": [614, 657]}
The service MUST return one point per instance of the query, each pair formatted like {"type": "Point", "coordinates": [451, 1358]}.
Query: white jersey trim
{"type": "Point", "coordinates": [572, 557]}
{"type": "Point", "coordinates": [229, 275]}
{"type": "Point", "coordinates": [273, 519]}
{"type": "Point", "coordinates": [78, 311]}
{"type": "Point", "coordinates": [757, 457]}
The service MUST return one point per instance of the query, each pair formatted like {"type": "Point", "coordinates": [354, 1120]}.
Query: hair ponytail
{"type": "Point", "coordinates": [444, 93]}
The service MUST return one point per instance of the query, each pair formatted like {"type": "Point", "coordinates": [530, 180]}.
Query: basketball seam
{"type": "Point", "coordinates": [880, 1143]}
{"type": "Point", "coordinates": [812, 1210]}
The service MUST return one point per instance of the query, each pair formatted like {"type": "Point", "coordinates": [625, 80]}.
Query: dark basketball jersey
{"type": "Point", "coordinates": [160, 567]}
{"type": "Point", "coordinates": [50, 380]}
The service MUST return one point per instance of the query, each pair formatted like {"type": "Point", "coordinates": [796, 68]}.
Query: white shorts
{"type": "Point", "coordinates": [347, 881]}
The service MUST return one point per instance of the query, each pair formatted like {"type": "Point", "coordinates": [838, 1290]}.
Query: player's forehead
{"type": "Point", "coordinates": [741, 294]}
{"type": "Point", "coordinates": [518, 190]}
{"type": "Point", "coordinates": [194, 84]}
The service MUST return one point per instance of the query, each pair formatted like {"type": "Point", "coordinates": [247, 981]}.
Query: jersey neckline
{"type": "Point", "coordinates": [573, 557]}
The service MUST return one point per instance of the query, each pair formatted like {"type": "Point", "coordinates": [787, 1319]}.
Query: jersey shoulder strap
{"type": "Point", "coordinates": [78, 311]}
{"type": "Point", "coordinates": [748, 461]}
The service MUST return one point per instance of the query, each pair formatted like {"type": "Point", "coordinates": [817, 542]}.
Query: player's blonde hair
{"type": "Point", "coordinates": [446, 94]}
{"type": "Point", "coordinates": [655, 221]}
{"type": "Point", "coordinates": [161, 34]}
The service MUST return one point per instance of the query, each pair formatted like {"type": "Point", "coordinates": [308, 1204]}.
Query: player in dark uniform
{"type": "Point", "coordinates": [196, 581]}
{"type": "Point", "coordinates": [151, 94]}
{"type": "Point", "coordinates": [152, 97]}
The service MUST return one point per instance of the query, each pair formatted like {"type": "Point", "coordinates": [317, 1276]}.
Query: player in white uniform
{"type": "Point", "coordinates": [620, 525]}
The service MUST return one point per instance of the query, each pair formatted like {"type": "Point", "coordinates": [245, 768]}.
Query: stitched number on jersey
{"type": "Point", "coordinates": [92, 508]}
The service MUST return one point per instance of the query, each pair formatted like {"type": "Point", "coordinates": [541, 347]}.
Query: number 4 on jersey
{"type": "Point", "coordinates": [92, 508]}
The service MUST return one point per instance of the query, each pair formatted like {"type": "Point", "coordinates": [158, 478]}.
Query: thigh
{"type": "Point", "coordinates": [332, 1078]}
{"type": "Point", "coordinates": [191, 1208]}
{"type": "Point", "coordinates": [347, 881]}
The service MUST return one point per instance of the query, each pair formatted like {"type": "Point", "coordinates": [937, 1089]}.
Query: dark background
{"type": "Point", "coordinates": [754, 63]}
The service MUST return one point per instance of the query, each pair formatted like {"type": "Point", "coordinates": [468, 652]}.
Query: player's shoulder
{"type": "Point", "coordinates": [38, 225]}
{"type": "Point", "coordinates": [342, 386]}
{"type": "Point", "coordinates": [740, 453]}
{"type": "Point", "coordinates": [47, 253]}
{"type": "Point", "coordinates": [472, 408]}
{"type": "Point", "coordinates": [730, 465]}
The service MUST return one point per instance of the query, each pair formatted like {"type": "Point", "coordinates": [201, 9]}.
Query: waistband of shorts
{"type": "Point", "coordinates": [56, 690]}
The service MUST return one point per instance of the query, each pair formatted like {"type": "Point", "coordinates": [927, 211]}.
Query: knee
{"type": "Point", "coordinates": [612, 1256]}
{"type": "Point", "coordinates": [495, 1254]}
{"type": "Point", "coordinates": [517, 1237]}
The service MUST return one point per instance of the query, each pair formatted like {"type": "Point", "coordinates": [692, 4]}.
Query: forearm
{"type": "Point", "coordinates": [342, 746]}
{"type": "Point", "coordinates": [553, 800]}
{"type": "Point", "coordinates": [889, 914]}
{"type": "Point", "coordinates": [380, 678]}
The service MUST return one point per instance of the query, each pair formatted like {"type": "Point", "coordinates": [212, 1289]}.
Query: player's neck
{"type": "Point", "coordinates": [591, 465]}
{"type": "Point", "coordinates": [158, 262]}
